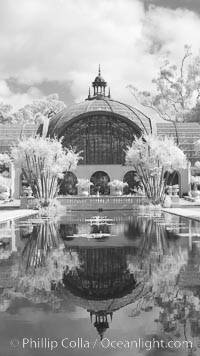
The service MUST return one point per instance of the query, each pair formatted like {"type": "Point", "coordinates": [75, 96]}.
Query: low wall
{"type": "Point", "coordinates": [91, 203]}
{"type": "Point", "coordinates": [101, 203]}
{"type": "Point", "coordinates": [27, 202]}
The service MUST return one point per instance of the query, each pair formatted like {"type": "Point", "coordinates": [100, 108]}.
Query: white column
{"type": "Point", "coordinates": [12, 177]}
{"type": "Point", "coordinates": [17, 183]}
{"type": "Point", "coordinates": [14, 248]}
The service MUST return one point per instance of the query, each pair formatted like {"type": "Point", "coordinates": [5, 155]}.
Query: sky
{"type": "Point", "coordinates": [55, 46]}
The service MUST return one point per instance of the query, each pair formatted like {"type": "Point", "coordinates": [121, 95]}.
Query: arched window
{"type": "Point", "coordinates": [172, 178]}
{"type": "Point", "coordinates": [100, 182]}
{"type": "Point", "coordinates": [133, 181]}
{"type": "Point", "coordinates": [102, 138]}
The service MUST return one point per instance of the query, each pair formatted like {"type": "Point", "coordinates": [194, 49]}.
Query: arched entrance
{"type": "Point", "coordinates": [100, 182]}
{"type": "Point", "coordinates": [131, 178]}
{"type": "Point", "coordinates": [172, 178]}
{"type": "Point", "coordinates": [68, 184]}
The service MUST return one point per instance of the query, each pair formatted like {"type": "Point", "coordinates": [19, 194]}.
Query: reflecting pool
{"type": "Point", "coordinates": [110, 283]}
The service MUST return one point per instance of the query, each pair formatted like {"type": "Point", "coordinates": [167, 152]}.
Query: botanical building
{"type": "Point", "coordinates": [101, 128]}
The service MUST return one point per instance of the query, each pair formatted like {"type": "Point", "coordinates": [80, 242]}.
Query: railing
{"type": "Point", "coordinates": [104, 202]}
{"type": "Point", "coordinates": [92, 202]}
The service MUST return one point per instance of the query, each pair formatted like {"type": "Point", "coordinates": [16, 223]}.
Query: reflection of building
{"type": "Point", "coordinates": [8, 280]}
{"type": "Point", "coordinates": [102, 127]}
{"type": "Point", "coordinates": [103, 284]}
{"type": "Point", "coordinates": [189, 277]}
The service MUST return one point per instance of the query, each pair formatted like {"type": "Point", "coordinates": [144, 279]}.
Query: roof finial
{"type": "Point", "coordinates": [99, 86]}
{"type": "Point", "coordinates": [89, 93]}
{"type": "Point", "coordinates": [109, 93]}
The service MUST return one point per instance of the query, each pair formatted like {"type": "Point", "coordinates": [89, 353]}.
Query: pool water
{"type": "Point", "coordinates": [103, 284]}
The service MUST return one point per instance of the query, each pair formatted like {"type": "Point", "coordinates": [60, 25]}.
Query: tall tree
{"type": "Point", "coordinates": [5, 113]}
{"type": "Point", "coordinates": [177, 95]}
{"type": "Point", "coordinates": [30, 113]}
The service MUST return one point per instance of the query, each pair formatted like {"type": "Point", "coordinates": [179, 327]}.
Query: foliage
{"type": "Point", "coordinates": [45, 107]}
{"type": "Point", "coordinates": [52, 211]}
{"type": "Point", "coordinates": [117, 184]}
{"type": "Point", "coordinates": [4, 158]}
{"type": "Point", "coordinates": [68, 184]}
{"type": "Point", "coordinates": [5, 254]}
{"type": "Point", "coordinates": [84, 183]}
{"type": "Point", "coordinates": [177, 90]}
{"type": "Point", "coordinates": [151, 156]}
{"type": "Point", "coordinates": [195, 182]}
{"type": "Point", "coordinates": [162, 265]}
{"type": "Point", "coordinates": [5, 113]}
{"type": "Point", "coordinates": [44, 258]}
{"type": "Point", "coordinates": [43, 161]}
{"type": "Point", "coordinates": [195, 179]}
{"type": "Point", "coordinates": [197, 146]}
{"type": "Point", "coordinates": [51, 273]}
{"type": "Point", "coordinates": [133, 183]}
{"type": "Point", "coordinates": [5, 180]}
{"type": "Point", "coordinates": [197, 151]}
{"type": "Point", "coordinates": [100, 181]}
{"type": "Point", "coordinates": [5, 183]}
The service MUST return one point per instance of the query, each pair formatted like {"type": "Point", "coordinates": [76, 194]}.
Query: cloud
{"type": "Point", "coordinates": [65, 40]}
{"type": "Point", "coordinates": [18, 99]}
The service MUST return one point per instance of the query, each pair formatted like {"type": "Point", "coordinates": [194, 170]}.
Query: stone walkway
{"type": "Point", "coordinates": [15, 214]}
{"type": "Point", "coordinates": [193, 213]}
{"type": "Point", "coordinates": [186, 209]}
{"type": "Point", "coordinates": [15, 204]}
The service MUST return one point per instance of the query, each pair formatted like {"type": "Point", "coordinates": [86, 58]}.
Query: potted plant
{"type": "Point", "coordinates": [195, 180]}
{"type": "Point", "coordinates": [175, 189]}
{"type": "Point", "coordinates": [117, 187]}
{"type": "Point", "coordinates": [4, 188]}
{"type": "Point", "coordinates": [84, 185]}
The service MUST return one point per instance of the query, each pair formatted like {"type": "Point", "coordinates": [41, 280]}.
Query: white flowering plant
{"type": "Point", "coordinates": [84, 183]}
{"type": "Point", "coordinates": [43, 161]}
{"type": "Point", "coordinates": [5, 184]}
{"type": "Point", "coordinates": [117, 184]}
{"type": "Point", "coordinates": [197, 151]}
{"type": "Point", "coordinates": [4, 158]}
{"type": "Point", "coordinates": [195, 181]}
{"type": "Point", "coordinates": [5, 181]}
{"type": "Point", "coordinates": [151, 156]}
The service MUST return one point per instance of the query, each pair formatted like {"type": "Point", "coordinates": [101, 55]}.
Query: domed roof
{"type": "Point", "coordinates": [99, 79]}
{"type": "Point", "coordinates": [98, 105]}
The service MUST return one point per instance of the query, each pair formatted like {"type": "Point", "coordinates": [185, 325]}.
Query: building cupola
{"type": "Point", "coordinates": [99, 87]}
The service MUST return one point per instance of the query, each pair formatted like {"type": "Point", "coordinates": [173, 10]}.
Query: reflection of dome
{"type": "Point", "coordinates": [101, 310]}
{"type": "Point", "coordinates": [101, 323]}
{"type": "Point", "coordinates": [67, 231]}
{"type": "Point", "coordinates": [105, 306]}
{"type": "Point", "coordinates": [103, 273]}
{"type": "Point", "coordinates": [103, 284]}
